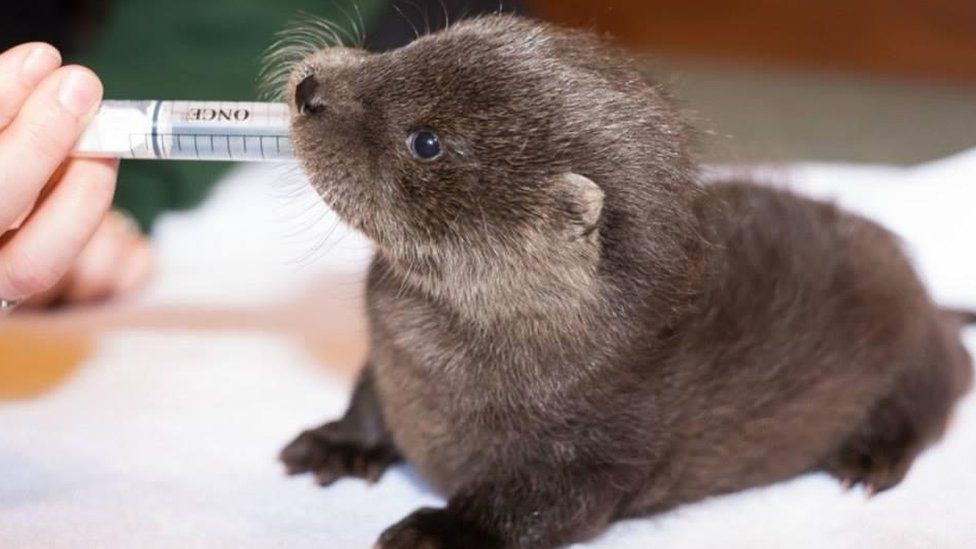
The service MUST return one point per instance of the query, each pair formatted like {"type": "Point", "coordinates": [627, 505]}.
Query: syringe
{"type": "Point", "coordinates": [188, 130]}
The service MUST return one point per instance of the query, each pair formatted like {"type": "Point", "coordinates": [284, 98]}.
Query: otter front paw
{"type": "Point", "coordinates": [429, 528]}
{"type": "Point", "coordinates": [876, 468]}
{"type": "Point", "coordinates": [331, 452]}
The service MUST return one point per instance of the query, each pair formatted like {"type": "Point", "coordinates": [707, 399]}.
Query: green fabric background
{"type": "Point", "coordinates": [181, 49]}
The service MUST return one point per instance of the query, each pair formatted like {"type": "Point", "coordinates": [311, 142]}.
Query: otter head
{"type": "Point", "coordinates": [498, 143]}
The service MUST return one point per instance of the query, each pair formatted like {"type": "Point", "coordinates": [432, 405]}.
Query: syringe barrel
{"type": "Point", "coordinates": [188, 130]}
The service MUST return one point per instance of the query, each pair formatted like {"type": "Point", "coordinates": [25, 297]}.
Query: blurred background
{"type": "Point", "coordinates": [880, 81]}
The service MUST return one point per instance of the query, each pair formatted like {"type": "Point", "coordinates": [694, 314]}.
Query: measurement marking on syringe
{"type": "Point", "coordinates": [173, 145]}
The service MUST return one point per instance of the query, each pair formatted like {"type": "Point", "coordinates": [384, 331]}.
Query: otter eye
{"type": "Point", "coordinates": [424, 145]}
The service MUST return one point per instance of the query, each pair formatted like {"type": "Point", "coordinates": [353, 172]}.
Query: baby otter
{"type": "Point", "coordinates": [566, 326]}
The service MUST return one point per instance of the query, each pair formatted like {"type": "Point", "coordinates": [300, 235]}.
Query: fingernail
{"type": "Point", "coordinates": [39, 63]}
{"type": "Point", "coordinates": [78, 92]}
{"type": "Point", "coordinates": [125, 222]}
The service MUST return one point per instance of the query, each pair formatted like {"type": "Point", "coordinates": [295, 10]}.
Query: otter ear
{"type": "Point", "coordinates": [583, 201]}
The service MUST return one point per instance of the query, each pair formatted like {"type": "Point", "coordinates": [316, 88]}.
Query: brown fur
{"type": "Point", "coordinates": [567, 328]}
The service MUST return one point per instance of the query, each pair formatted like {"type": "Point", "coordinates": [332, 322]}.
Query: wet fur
{"type": "Point", "coordinates": [553, 359]}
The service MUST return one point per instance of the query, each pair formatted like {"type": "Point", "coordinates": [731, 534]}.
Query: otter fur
{"type": "Point", "coordinates": [567, 327]}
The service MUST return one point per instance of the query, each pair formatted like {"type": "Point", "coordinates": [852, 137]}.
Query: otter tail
{"type": "Point", "coordinates": [962, 316]}
{"type": "Point", "coordinates": [959, 318]}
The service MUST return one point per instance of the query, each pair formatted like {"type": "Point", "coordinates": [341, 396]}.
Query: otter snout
{"type": "Point", "coordinates": [321, 81]}
{"type": "Point", "coordinates": [306, 99]}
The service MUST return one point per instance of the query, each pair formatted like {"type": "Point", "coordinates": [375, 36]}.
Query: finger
{"type": "Point", "coordinates": [40, 197]}
{"type": "Point", "coordinates": [94, 274]}
{"type": "Point", "coordinates": [43, 250]}
{"type": "Point", "coordinates": [137, 269]}
{"type": "Point", "coordinates": [116, 261]}
{"type": "Point", "coordinates": [21, 69]}
{"type": "Point", "coordinates": [41, 136]}
{"type": "Point", "coordinates": [47, 298]}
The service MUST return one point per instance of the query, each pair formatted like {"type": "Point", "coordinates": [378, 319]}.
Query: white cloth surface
{"type": "Point", "coordinates": [168, 439]}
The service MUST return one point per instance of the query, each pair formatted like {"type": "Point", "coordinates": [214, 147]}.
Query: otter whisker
{"type": "Point", "coordinates": [348, 37]}
{"type": "Point", "coordinates": [447, 17]}
{"type": "Point", "coordinates": [416, 32]}
{"type": "Point", "coordinates": [423, 13]}
{"type": "Point", "coordinates": [358, 33]}
{"type": "Point", "coordinates": [292, 189]}
{"type": "Point", "coordinates": [296, 42]}
{"type": "Point", "coordinates": [362, 24]}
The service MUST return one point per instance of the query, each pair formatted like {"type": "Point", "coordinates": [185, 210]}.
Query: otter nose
{"type": "Point", "coordinates": [306, 99]}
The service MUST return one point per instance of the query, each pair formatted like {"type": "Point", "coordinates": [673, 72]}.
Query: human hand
{"type": "Point", "coordinates": [55, 239]}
